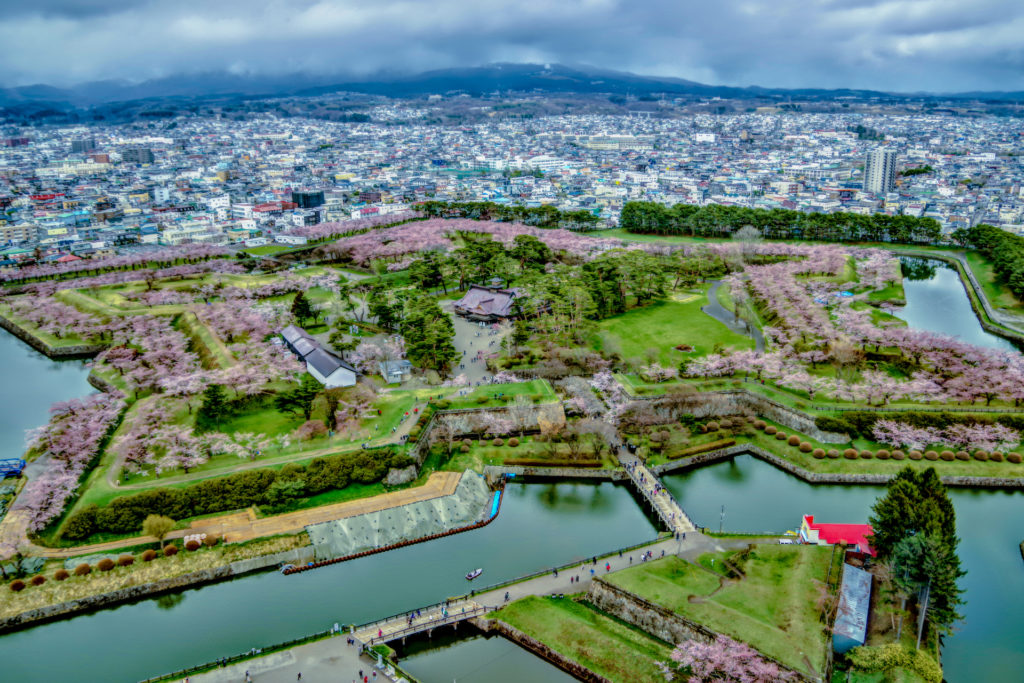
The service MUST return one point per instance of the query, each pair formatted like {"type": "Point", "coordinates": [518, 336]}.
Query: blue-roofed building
{"type": "Point", "coordinates": [851, 626]}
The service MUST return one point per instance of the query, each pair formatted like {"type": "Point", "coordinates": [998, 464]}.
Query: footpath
{"type": "Point", "coordinates": [334, 659]}
{"type": "Point", "coordinates": [245, 525]}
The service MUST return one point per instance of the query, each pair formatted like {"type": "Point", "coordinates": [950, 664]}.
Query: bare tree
{"type": "Point", "coordinates": [521, 411]}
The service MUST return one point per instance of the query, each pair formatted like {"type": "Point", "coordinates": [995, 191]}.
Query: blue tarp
{"type": "Point", "coordinates": [496, 503]}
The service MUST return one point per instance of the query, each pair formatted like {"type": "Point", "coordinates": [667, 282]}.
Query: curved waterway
{"type": "Point", "coordinates": [986, 646]}
{"type": "Point", "coordinates": [540, 525]}
{"type": "Point", "coordinates": [29, 384]}
{"type": "Point", "coordinates": [937, 302]}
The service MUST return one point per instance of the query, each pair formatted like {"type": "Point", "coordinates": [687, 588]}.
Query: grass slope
{"type": "Point", "coordinates": [773, 608]}
{"type": "Point", "coordinates": [604, 645]}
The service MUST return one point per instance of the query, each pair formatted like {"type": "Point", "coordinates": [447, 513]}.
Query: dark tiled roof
{"type": "Point", "coordinates": [326, 363]}
{"type": "Point", "coordinates": [487, 301]}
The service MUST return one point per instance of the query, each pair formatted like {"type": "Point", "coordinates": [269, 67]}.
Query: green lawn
{"type": "Point", "coordinates": [604, 645]}
{"type": "Point", "coordinates": [666, 324]}
{"type": "Point", "coordinates": [997, 294]}
{"type": "Point", "coordinates": [488, 454]}
{"type": "Point", "coordinates": [773, 607]}
{"type": "Point", "coordinates": [495, 394]}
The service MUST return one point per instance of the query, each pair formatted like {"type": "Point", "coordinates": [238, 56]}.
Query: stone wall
{"type": "Point", "coordinates": [494, 472]}
{"type": "Point", "coordinates": [737, 401]}
{"type": "Point", "coordinates": [570, 666]}
{"type": "Point", "coordinates": [658, 621]}
{"type": "Point", "coordinates": [76, 351]}
{"type": "Point", "coordinates": [829, 477]}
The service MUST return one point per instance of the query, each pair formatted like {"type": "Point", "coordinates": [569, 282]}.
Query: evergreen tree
{"type": "Point", "coordinates": [301, 308]}
{"type": "Point", "coordinates": [429, 335]}
{"type": "Point", "coordinates": [214, 407]}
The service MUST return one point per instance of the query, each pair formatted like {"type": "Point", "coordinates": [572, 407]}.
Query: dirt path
{"type": "Point", "coordinates": [246, 526]}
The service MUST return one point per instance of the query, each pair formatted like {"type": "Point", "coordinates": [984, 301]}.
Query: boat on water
{"type": "Point", "coordinates": [473, 574]}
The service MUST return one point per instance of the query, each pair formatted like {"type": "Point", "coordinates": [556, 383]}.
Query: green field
{"type": "Point", "coordinates": [773, 606]}
{"type": "Point", "coordinates": [495, 394]}
{"type": "Point", "coordinates": [997, 295]}
{"type": "Point", "coordinates": [604, 645]}
{"type": "Point", "coordinates": [666, 324]}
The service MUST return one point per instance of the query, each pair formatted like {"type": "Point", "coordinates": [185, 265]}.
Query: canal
{"type": "Point", "coordinates": [30, 384]}
{"type": "Point", "coordinates": [936, 301]}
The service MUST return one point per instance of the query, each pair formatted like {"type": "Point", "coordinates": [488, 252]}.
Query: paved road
{"type": "Point", "coordinates": [727, 318]}
{"type": "Point", "coordinates": [334, 660]}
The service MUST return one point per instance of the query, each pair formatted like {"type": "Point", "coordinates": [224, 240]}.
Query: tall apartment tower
{"type": "Point", "coordinates": [83, 145]}
{"type": "Point", "coordinates": [137, 155]}
{"type": "Point", "coordinates": [880, 170]}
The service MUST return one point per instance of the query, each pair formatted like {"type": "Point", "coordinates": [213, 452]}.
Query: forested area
{"type": "Point", "coordinates": [1004, 249]}
{"type": "Point", "coordinates": [715, 220]}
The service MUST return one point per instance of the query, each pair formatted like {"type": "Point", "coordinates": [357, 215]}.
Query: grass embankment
{"type": "Point", "coordinates": [45, 338]}
{"type": "Point", "coordinates": [96, 583]}
{"type": "Point", "coordinates": [668, 323]}
{"type": "Point", "coordinates": [774, 606]}
{"type": "Point", "coordinates": [997, 294]}
{"type": "Point", "coordinates": [484, 452]}
{"type": "Point", "coordinates": [604, 645]}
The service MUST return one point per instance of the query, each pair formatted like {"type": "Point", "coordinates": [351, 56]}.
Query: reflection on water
{"type": "Point", "coordinates": [475, 659]}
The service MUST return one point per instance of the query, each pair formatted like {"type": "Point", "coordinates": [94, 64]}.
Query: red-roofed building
{"type": "Point", "coordinates": [68, 258]}
{"type": "Point", "coordinates": [853, 535]}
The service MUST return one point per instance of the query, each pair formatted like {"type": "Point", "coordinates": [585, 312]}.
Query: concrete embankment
{"type": "Point", "coordinates": [471, 505]}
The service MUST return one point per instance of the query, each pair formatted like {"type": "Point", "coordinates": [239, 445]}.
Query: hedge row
{"type": "Point", "coordinates": [703, 448]}
{"type": "Point", "coordinates": [240, 490]}
{"type": "Point", "coordinates": [861, 422]}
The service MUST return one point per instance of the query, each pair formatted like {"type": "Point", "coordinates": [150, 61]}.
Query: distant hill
{"type": "Point", "coordinates": [504, 78]}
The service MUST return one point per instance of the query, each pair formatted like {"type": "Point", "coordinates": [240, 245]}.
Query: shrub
{"type": "Point", "coordinates": [726, 423]}
{"type": "Point", "coordinates": [702, 448]}
{"type": "Point", "coordinates": [947, 455]}
{"type": "Point", "coordinates": [914, 455]}
{"type": "Point", "coordinates": [850, 454]}
{"type": "Point", "coordinates": [467, 442]}
{"type": "Point", "coordinates": [770, 429]}
{"type": "Point", "coordinates": [170, 551]}
{"type": "Point", "coordinates": [760, 424]}
{"type": "Point", "coordinates": [931, 455]}
{"type": "Point", "coordinates": [105, 565]}
{"type": "Point", "coordinates": [793, 440]}
{"type": "Point", "coordinates": [832, 453]}
{"type": "Point", "coordinates": [464, 448]}
{"type": "Point", "coordinates": [898, 455]}
{"type": "Point", "coordinates": [38, 580]}
{"type": "Point", "coordinates": [713, 426]}
{"type": "Point", "coordinates": [834, 424]}
{"type": "Point", "coordinates": [498, 442]}
{"type": "Point", "coordinates": [818, 453]}
{"type": "Point", "coordinates": [61, 574]}
{"type": "Point", "coordinates": [482, 399]}
{"type": "Point", "coordinates": [996, 457]}
{"type": "Point", "coordinates": [192, 545]}
{"type": "Point", "coordinates": [866, 454]}
{"type": "Point", "coordinates": [781, 436]}
{"type": "Point", "coordinates": [83, 569]}
{"type": "Point", "coordinates": [149, 555]}
{"type": "Point", "coordinates": [211, 540]}
{"type": "Point", "coordinates": [981, 455]}
{"type": "Point", "coordinates": [703, 429]}
{"type": "Point", "coordinates": [882, 454]}
{"type": "Point", "coordinates": [963, 455]}
{"type": "Point", "coordinates": [125, 561]}
{"type": "Point", "coordinates": [513, 442]}
{"type": "Point", "coordinates": [1014, 458]}
{"type": "Point", "coordinates": [805, 447]}
{"type": "Point", "coordinates": [17, 585]}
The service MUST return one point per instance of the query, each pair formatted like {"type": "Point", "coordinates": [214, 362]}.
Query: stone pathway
{"type": "Point", "coordinates": [727, 318]}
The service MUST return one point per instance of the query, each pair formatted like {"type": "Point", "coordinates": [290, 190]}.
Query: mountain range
{"type": "Point", "coordinates": [503, 78]}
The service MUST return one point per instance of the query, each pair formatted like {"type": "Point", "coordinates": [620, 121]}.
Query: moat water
{"type": "Point", "coordinates": [540, 525]}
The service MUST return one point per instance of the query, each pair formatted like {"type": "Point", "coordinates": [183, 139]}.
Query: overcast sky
{"type": "Point", "coordinates": [904, 45]}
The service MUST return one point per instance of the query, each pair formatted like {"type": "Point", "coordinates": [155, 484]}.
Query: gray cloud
{"type": "Point", "coordinates": [908, 45]}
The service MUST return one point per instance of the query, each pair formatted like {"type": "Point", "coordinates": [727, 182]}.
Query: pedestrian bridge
{"type": "Point", "coordinates": [408, 624]}
{"type": "Point", "coordinates": [651, 488]}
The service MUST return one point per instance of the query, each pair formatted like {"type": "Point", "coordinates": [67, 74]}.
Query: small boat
{"type": "Point", "coordinates": [473, 574]}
